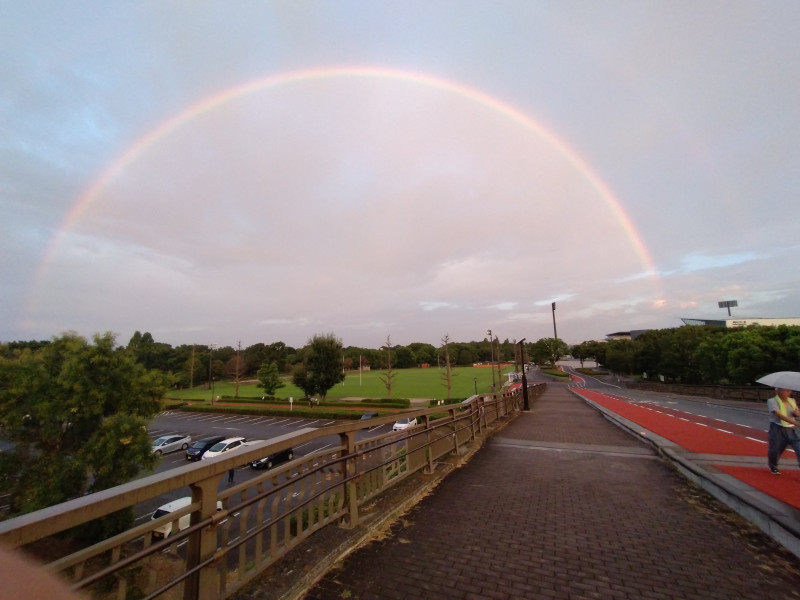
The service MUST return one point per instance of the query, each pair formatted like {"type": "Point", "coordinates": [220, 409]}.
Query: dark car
{"type": "Point", "coordinates": [196, 450]}
{"type": "Point", "coordinates": [369, 415]}
{"type": "Point", "coordinates": [273, 459]}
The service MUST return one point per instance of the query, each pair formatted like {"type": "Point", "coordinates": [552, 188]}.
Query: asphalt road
{"type": "Point", "coordinates": [744, 415]}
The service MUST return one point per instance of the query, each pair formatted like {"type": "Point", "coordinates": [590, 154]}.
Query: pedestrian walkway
{"type": "Point", "coordinates": [562, 503]}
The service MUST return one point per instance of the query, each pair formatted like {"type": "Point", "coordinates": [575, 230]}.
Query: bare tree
{"type": "Point", "coordinates": [448, 377]}
{"type": "Point", "coordinates": [389, 376]}
{"type": "Point", "coordinates": [236, 366]}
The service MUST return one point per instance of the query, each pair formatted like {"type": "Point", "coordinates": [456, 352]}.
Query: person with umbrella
{"type": "Point", "coordinates": [783, 421]}
{"type": "Point", "coordinates": [783, 415]}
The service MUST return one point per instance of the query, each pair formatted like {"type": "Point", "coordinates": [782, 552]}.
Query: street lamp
{"type": "Point", "coordinates": [491, 356]}
{"type": "Point", "coordinates": [525, 403]}
{"type": "Point", "coordinates": [555, 336]}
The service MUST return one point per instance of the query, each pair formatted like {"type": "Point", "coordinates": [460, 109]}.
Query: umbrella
{"type": "Point", "coordinates": [789, 380]}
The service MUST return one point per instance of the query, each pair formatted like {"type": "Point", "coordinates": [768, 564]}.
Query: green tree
{"type": "Point", "coordinates": [548, 350]}
{"type": "Point", "coordinates": [321, 367]}
{"type": "Point", "coordinates": [404, 357]}
{"type": "Point", "coordinates": [619, 356]}
{"type": "Point", "coordinates": [269, 378]}
{"type": "Point", "coordinates": [76, 413]}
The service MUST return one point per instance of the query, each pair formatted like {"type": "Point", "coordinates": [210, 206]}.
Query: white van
{"type": "Point", "coordinates": [165, 530]}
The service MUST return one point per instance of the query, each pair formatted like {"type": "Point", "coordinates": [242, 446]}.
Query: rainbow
{"type": "Point", "coordinates": [163, 129]}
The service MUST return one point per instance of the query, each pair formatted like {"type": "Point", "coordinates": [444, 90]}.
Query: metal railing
{"type": "Point", "coordinates": [235, 533]}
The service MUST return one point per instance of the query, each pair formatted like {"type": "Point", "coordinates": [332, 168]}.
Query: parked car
{"type": "Point", "coordinates": [170, 443]}
{"type": "Point", "coordinates": [273, 459]}
{"type": "Point", "coordinates": [225, 445]}
{"type": "Point", "coordinates": [165, 530]}
{"type": "Point", "coordinates": [405, 423]}
{"type": "Point", "coordinates": [200, 447]}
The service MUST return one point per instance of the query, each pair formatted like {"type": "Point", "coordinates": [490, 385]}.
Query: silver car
{"type": "Point", "coordinates": [170, 443]}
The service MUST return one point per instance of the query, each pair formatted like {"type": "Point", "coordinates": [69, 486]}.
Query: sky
{"type": "Point", "coordinates": [263, 171]}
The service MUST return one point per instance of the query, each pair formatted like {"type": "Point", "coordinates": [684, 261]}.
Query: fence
{"type": "Point", "coordinates": [234, 534]}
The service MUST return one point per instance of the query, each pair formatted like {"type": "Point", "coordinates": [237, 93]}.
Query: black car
{"type": "Point", "coordinates": [197, 449]}
{"type": "Point", "coordinates": [273, 459]}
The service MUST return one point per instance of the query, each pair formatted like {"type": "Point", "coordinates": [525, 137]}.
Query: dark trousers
{"type": "Point", "coordinates": [779, 438]}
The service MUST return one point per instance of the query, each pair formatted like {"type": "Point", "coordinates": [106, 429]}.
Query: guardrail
{"type": "Point", "coordinates": [236, 533]}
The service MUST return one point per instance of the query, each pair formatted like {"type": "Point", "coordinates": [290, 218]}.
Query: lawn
{"type": "Point", "coordinates": [407, 383]}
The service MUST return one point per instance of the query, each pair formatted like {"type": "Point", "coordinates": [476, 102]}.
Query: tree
{"type": "Point", "coordinates": [269, 378]}
{"type": "Point", "coordinates": [404, 358]}
{"type": "Point", "coordinates": [584, 351]}
{"type": "Point", "coordinates": [236, 366]}
{"type": "Point", "coordinates": [74, 409]}
{"type": "Point", "coordinates": [620, 356]}
{"type": "Point", "coordinates": [447, 375]}
{"type": "Point", "coordinates": [321, 367]}
{"type": "Point", "coordinates": [388, 378]}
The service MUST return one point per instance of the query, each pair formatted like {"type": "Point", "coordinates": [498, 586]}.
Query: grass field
{"type": "Point", "coordinates": [407, 383]}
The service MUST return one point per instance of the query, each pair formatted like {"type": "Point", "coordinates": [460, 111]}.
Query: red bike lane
{"type": "Point", "coordinates": [701, 438]}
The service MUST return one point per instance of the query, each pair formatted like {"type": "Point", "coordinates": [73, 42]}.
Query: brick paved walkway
{"type": "Point", "coordinates": [563, 504]}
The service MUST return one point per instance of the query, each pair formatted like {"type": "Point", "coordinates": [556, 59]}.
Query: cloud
{"type": "Point", "coordinates": [433, 305]}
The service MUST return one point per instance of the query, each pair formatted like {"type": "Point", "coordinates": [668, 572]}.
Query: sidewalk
{"type": "Point", "coordinates": [562, 503]}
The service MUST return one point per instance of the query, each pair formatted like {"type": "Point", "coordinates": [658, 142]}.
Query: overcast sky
{"type": "Point", "coordinates": [261, 171]}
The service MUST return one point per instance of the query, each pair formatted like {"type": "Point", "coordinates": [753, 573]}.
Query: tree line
{"type": "Point", "coordinates": [194, 364]}
{"type": "Point", "coordinates": [700, 355]}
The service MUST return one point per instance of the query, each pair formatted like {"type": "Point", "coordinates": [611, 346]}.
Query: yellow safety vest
{"type": "Point", "coordinates": [782, 410]}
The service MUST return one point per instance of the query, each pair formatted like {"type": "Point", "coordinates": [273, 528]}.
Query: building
{"type": "Point", "coordinates": [743, 322]}
{"type": "Point", "coordinates": [625, 335]}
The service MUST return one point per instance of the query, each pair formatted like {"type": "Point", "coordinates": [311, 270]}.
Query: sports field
{"type": "Point", "coordinates": [406, 383]}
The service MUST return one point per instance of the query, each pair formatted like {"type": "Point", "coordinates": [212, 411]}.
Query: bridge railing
{"type": "Point", "coordinates": [235, 533]}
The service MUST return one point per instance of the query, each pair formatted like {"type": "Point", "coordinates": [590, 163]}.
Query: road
{"type": "Point", "coordinates": [746, 419]}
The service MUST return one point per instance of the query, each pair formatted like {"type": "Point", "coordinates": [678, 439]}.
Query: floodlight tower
{"type": "Point", "coordinates": [728, 304]}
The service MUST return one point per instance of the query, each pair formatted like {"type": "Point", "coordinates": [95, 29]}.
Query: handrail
{"type": "Point", "coordinates": [273, 512]}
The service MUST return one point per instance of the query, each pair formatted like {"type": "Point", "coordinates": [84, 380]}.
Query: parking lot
{"type": "Point", "coordinates": [203, 425]}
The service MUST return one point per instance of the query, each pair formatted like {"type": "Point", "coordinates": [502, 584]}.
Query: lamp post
{"type": "Point", "coordinates": [555, 336]}
{"type": "Point", "coordinates": [491, 355]}
{"type": "Point", "coordinates": [525, 403]}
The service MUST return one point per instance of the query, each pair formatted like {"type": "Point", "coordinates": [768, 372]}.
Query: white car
{"type": "Point", "coordinates": [170, 443]}
{"type": "Point", "coordinates": [166, 530]}
{"type": "Point", "coordinates": [224, 446]}
{"type": "Point", "coordinates": [401, 424]}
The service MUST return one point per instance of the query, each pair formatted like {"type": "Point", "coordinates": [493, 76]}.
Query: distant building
{"type": "Point", "coordinates": [625, 335]}
{"type": "Point", "coordinates": [742, 322]}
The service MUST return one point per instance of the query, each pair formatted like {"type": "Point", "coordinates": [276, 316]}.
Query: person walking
{"type": "Point", "coordinates": [783, 414]}
{"type": "Point", "coordinates": [230, 476]}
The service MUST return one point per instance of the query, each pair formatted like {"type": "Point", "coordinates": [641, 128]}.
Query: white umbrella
{"type": "Point", "coordinates": [789, 380]}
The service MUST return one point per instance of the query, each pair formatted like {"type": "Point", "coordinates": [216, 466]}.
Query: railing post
{"type": "Point", "coordinates": [348, 441]}
{"type": "Point", "coordinates": [203, 585]}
